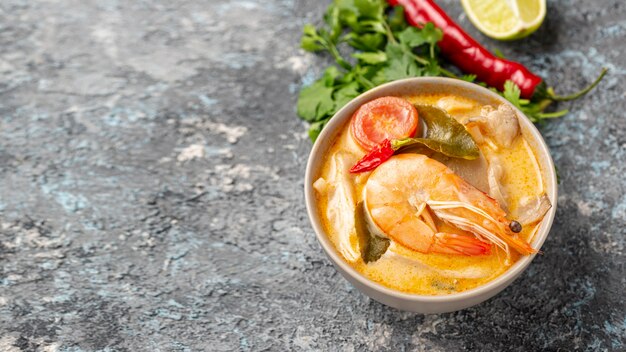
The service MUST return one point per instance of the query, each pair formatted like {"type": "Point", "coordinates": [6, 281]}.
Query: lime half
{"type": "Point", "coordinates": [506, 19]}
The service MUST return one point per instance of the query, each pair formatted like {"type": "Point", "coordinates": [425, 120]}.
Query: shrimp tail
{"type": "Point", "coordinates": [457, 244]}
{"type": "Point", "coordinates": [519, 245]}
{"type": "Point", "coordinates": [502, 240]}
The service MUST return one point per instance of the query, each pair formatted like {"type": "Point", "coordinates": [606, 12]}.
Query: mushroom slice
{"type": "Point", "coordinates": [500, 125]}
{"type": "Point", "coordinates": [341, 204]}
{"type": "Point", "coordinates": [533, 209]}
{"type": "Point", "coordinates": [495, 173]}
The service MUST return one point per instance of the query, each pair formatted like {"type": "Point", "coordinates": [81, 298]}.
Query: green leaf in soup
{"type": "Point", "coordinates": [444, 134]}
{"type": "Point", "coordinates": [372, 246]}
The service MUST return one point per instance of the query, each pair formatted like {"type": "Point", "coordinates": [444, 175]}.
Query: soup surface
{"type": "Point", "coordinates": [518, 183]}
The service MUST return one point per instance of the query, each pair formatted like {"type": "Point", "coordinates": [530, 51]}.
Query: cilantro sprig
{"type": "Point", "coordinates": [382, 47]}
{"type": "Point", "coordinates": [533, 109]}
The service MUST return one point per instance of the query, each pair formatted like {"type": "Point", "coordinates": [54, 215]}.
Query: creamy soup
{"type": "Point", "coordinates": [440, 235]}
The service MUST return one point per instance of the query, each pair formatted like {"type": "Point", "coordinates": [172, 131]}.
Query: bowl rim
{"type": "Point", "coordinates": [505, 278]}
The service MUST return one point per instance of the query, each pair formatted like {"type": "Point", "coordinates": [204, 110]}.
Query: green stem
{"type": "Point", "coordinates": [447, 73]}
{"type": "Point", "coordinates": [582, 92]}
{"type": "Point", "coordinates": [552, 115]}
{"type": "Point", "coordinates": [340, 60]}
{"type": "Point", "coordinates": [390, 36]}
{"type": "Point", "coordinates": [420, 59]}
{"type": "Point", "coordinates": [365, 82]}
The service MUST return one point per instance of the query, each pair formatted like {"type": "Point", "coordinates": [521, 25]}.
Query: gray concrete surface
{"type": "Point", "coordinates": [151, 187]}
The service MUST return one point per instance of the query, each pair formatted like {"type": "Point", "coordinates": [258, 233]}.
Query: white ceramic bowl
{"type": "Point", "coordinates": [414, 302]}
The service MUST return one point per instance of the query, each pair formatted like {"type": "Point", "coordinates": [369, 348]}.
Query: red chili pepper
{"type": "Point", "coordinates": [465, 52]}
{"type": "Point", "coordinates": [374, 158]}
{"type": "Point", "coordinates": [468, 55]}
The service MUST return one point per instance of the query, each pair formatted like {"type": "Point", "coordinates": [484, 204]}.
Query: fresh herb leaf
{"type": "Point", "coordinates": [316, 128]}
{"type": "Point", "coordinates": [371, 26]}
{"type": "Point", "coordinates": [390, 49]}
{"type": "Point", "coordinates": [311, 40]}
{"type": "Point", "coordinates": [468, 78]}
{"type": "Point", "coordinates": [396, 20]}
{"type": "Point", "coordinates": [373, 9]}
{"type": "Point", "coordinates": [400, 64]}
{"type": "Point", "coordinates": [352, 12]}
{"type": "Point", "coordinates": [371, 58]}
{"type": "Point", "coordinates": [512, 93]}
{"type": "Point", "coordinates": [534, 110]}
{"type": "Point", "coordinates": [316, 101]}
{"type": "Point", "coordinates": [365, 42]}
{"type": "Point", "coordinates": [365, 74]}
{"type": "Point", "coordinates": [444, 134]}
{"type": "Point", "coordinates": [432, 33]}
{"type": "Point", "coordinates": [431, 69]}
{"type": "Point", "coordinates": [346, 93]}
{"type": "Point", "coordinates": [413, 36]}
{"type": "Point", "coordinates": [498, 53]}
{"type": "Point", "coordinates": [331, 17]}
{"type": "Point", "coordinates": [330, 76]}
{"type": "Point", "coordinates": [372, 246]}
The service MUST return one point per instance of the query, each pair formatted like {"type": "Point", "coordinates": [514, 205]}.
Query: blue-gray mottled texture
{"type": "Point", "coordinates": [151, 187]}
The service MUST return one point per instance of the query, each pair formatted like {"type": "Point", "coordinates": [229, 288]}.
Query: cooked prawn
{"type": "Point", "coordinates": [401, 193]}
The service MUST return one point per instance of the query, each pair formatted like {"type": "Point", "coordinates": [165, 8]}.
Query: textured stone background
{"type": "Point", "coordinates": [151, 193]}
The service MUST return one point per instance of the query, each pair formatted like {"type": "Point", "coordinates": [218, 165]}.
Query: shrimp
{"type": "Point", "coordinates": [401, 194]}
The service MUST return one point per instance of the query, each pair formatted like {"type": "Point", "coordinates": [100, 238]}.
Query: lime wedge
{"type": "Point", "coordinates": [506, 19]}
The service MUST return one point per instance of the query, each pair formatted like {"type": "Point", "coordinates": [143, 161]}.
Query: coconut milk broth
{"type": "Point", "coordinates": [437, 274]}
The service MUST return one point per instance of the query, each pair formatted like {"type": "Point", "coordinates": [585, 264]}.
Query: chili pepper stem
{"type": "Point", "coordinates": [580, 93]}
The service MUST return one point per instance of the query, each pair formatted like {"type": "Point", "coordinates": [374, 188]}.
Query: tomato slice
{"type": "Point", "coordinates": [383, 118]}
